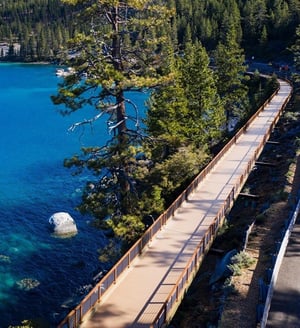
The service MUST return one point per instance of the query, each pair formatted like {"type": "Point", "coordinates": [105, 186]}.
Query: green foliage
{"type": "Point", "coordinates": [240, 261]}
{"type": "Point", "coordinates": [291, 116]}
{"type": "Point", "coordinates": [206, 116]}
{"type": "Point", "coordinates": [127, 227]}
{"type": "Point", "coordinates": [35, 30]}
{"type": "Point", "coordinates": [271, 86]}
{"type": "Point", "coordinates": [230, 70]}
{"type": "Point", "coordinates": [123, 50]}
{"type": "Point", "coordinates": [260, 89]}
{"type": "Point", "coordinates": [229, 287]}
{"type": "Point", "coordinates": [184, 117]}
{"type": "Point", "coordinates": [264, 27]}
{"type": "Point", "coordinates": [152, 202]}
{"type": "Point", "coordinates": [36, 323]}
{"type": "Point", "coordinates": [260, 25]}
{"type": "Point", "coordinates": [224, 228]}
{"type": "Point", "coordinates": [110, 253]}
{"type": "Point", "coordinates": [295, 48]}
{"type": "Point", "coordinates": [178, 168]}
{"type": "Point", "coordinates": [118, 47]}
{"type": "Point", "coordinates": [167, 111]}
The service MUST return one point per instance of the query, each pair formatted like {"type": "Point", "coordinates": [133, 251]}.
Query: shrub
{"type": "Point", "coordinates": [239, 261]}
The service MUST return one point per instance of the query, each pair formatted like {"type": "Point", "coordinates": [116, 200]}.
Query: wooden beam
{"type": "Point", "coordinates": [265, 164]}
{"type": "Point", "coordinates": [248, 195]}
{"type": "Point", "coordinates": [273, 142]}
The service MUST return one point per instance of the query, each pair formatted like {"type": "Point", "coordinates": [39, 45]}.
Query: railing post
{"type": "Point", "coordinates": [81, 314]}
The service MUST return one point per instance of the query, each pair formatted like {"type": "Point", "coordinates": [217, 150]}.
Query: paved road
{"type": "Point", "coordinates": [285, 304]}
{"type": "Point", "coordinates": [139, 294]}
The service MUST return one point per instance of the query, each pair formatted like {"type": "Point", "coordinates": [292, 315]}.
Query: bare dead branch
{"type": "Point", "coordinates": [90, 121]}
{"type": "Point", "coordinates": [136, 111]}
{"type": "Point", "coordinates": [113, 127]}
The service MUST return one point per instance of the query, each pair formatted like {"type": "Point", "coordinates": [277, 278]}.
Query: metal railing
{"type": "Point", "coordinates": [74, 318]}
{"type": "Point", "coordinates": [203, 246]}
{"type": "Point", "coordinates": [278, 262]}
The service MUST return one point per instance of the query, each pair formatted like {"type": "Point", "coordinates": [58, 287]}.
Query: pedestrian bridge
{"type": "Point", "coordinates": [147, 285]}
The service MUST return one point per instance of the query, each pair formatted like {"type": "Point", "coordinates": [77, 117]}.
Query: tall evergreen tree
{"type": "Point", "coordinates": [184, 117]}
{"type": "Point", "coordinates": [123, 51]}
{"type": "Point", "coordinates": [206, 113]}
{"type": "Point", "coordinates": [295, 48]}
{"type": "Point", "coordinates": [230, 70]}
{"type": "Point", "coordinates": [255, 18]}
{"type": "Point", "coordinates": [167, 115]}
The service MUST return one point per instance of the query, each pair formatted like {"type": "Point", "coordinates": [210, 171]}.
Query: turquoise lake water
{"type": "Point", "coordinates": [34, 140]}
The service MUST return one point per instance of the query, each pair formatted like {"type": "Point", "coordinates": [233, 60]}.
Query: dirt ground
{"type": "Point", "coordinates": [273, 186]}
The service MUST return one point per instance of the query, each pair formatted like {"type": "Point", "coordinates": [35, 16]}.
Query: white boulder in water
{"type": "Point", "coordinates": [63, 223]}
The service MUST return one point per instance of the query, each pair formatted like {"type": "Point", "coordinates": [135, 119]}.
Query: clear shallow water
{"type": "Point", "coordinates": [33, 185]}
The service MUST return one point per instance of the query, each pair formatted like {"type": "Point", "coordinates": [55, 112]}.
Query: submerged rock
{"type": "Point", "coordinates": [4, 258]}
{"type": "Point", "coordinates": [27, 284]}
{"type": "Point", "coordinates": [63, 224]}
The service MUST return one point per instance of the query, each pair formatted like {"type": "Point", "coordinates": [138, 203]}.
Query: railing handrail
{"type": "Point", "coordinates": [224, 207]}
{"type": "Point", "coordinates": [184, 271]}
{"type": "Point", "coordinates": [75, 316]}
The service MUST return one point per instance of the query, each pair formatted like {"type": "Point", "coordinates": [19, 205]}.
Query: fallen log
{"type": "Point", "coordinates": [265, 163]}
{"type": "Point", "coordinates": [273, 142]}
{"type": "Point", "coordinates": [248, 195]}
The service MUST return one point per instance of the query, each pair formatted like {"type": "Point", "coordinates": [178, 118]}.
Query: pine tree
{"type": "Point", "coordinates": [206, 113]}
{"type": "Point", "coordinates": [167, 116]}
{"type": "Point", "coordinates": [183, 117]}
{"type": "Point", "coordinates": [123, 51]}
{"type": "Point", "coordinates": [230, 70]}
{"type": "Point", "coordinates": [295, 49]}
{"type": "Point", "coordinates": [255, 18]}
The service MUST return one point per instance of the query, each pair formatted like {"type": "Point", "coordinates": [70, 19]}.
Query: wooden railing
{"type": "Point", "coordinates": [74, 318]}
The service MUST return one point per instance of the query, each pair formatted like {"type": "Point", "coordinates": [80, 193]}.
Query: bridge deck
{"type": "Point", "coordinates": [138, 295]}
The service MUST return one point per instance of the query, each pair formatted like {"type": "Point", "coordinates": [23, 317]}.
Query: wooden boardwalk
{"type": "Point", "coordinates": [141, 291]}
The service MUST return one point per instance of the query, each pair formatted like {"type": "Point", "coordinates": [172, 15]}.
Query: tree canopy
{"type": "Point", "coordinates": [41, 28]}
{"type": "Point", "coordinates": [132, 46]}
{"type": "Point", "coordinates": [122, 51]}
{"type": "Point", "coordinates": [230, 59]}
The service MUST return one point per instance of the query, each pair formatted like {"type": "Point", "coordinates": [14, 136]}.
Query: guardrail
{"type": "Point", "coordinates": [74, 318]}
{"type": "Point", "coordinates": [278, 262]}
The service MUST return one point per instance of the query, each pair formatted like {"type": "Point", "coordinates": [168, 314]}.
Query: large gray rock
{"type": "Point", "coordinates": [63, 224]}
